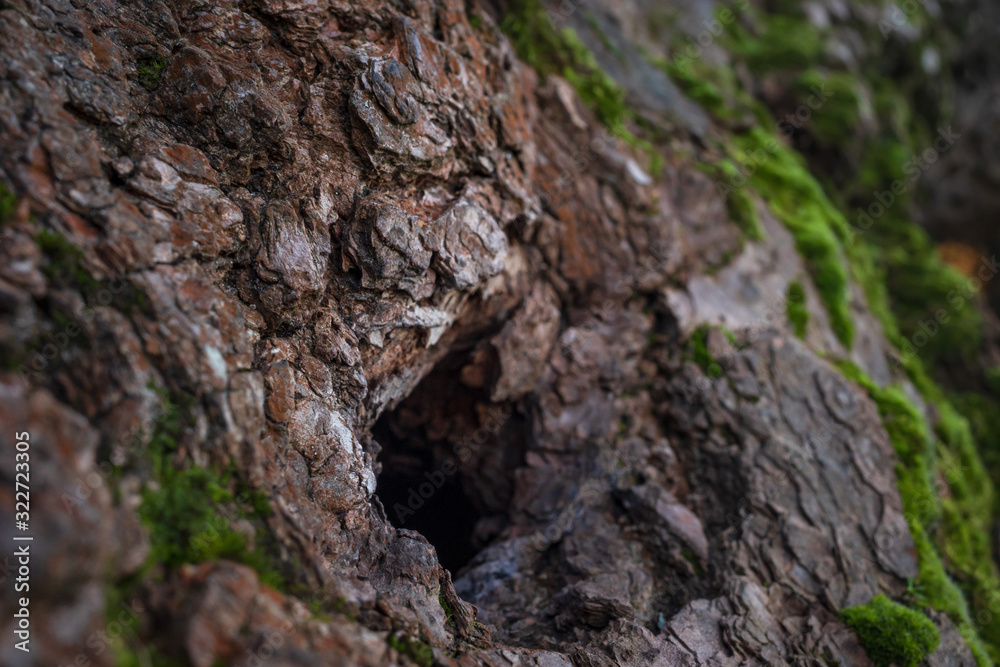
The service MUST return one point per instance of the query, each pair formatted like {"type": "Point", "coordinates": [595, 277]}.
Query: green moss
{"type": "Point", "coordinates": [595, 25]}
{"type": "Point", "coordinates": [932, 301]}
{"type": "Point", "coordinates": [476, 21]}
{"type": "Point", "coordinates": [740, 202]}
{"type": "Point", "coordinates": [969, 509]}
{"type": "Point", "coordinates": [149, 71]}
{"type": "Point", "coordinates": [959, 523]}
{"type": "Point", "coordinates": [982, 413]}
{"type": "Point", "coordinates": [912, 442]}
{"type": "Point", "coordinates": [702, 84]}
{"type": "Point", "coordinates": [840, 111]}
{"type": "Point", "coordinates": [190, 511]}
{"type": "Point", "coordinates": [925, 306]}
{"type": "Point", "coordinates": [697, 350]}
{"type": "Point", "coordinates": [902, 273]}
{"type": "Point", "coordinates": [782, 179]}
{"type": "Point", "coordinates": [448, 613]}
{"type": "Point", "coordinates": [782, 42]}
{"type": "Point", "coordinates": [64, 265]}
{"type": "Point", "coordinates": [536, 41]}
{"type": "Point", "coordinates": [182, 512]}
{"type": "Point", "coordinates": [122, 632]}
{"type": "Point", "coordinates": [8, 204]}
{"type": "Point", "coordinates": [956, 436]}
{"type": "Point", "coordinates": [798, 201]}
{"type": "Point", "coordinates": [550, 51]}
{"type": "Point", "coordinates": [416, 650]}
{"type": "Point", "coordinates": [699, 354]}
{"type": "Point", "coordinates": [900, 270]}
{"type": "Point", "coordinates": [890, 633]}
{"type": "Point", "coordinates": [991, 377]}
{"type": "Point", "coordinates": [742, 211]}
{"type": "Point", "coordinates": [798, 314]}
{"type": "Point", "coordinates": [934, 588]}
{"type": "Point", "coordinates": [867, 273]}
{"type": "Point", "coordinates": [596, 89]}
{"type": "Point", "coordinates": [893, 107]}
{"type": "Point", "coordinates": [933, 321]}
{"type": "Point", "coordinates": [182, 506]}
{"type": "Point", "coordinates": [717, 89]}
{"type": "Point", "coordinates": [881, 163]}
{"type": "Point", "coordinates": [919, 285]}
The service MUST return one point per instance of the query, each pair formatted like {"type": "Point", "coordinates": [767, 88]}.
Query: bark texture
{"type": "Point", "coordinates": [328, 246]}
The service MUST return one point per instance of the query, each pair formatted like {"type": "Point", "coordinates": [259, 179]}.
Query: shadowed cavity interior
{"type": "Point", "coordinates": [447, 461]}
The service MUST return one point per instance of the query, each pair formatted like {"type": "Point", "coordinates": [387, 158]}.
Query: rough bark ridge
{"type": "Point", "coordinates": [312, 242]}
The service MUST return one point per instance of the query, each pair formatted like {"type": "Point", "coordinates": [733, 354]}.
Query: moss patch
{"type": "Point", "coordinates": [983, 415]}
{"type": "Point", "coordinates": [714, 88]}
{"type": "Point", "coordinates": [699, 354]}
{"type": "Point", "coordinates": [781, 177]}
{"type": "Point", "coordinates": [190, 511]}
{"type": "Point", "coordinates": [925, 306]}
{"type": "Point", "coordinates": [944, 529]}
{"type": "Point", "coordinates": [416, 650]}
{"type": "Point", "coordinates": [932, 301]}
{"type": "Point", "coordinates": [798, 201]}
{"type": "Point", "coordinates": [890, 633]}
{"type": "Point", "coordinates": [150, 70]}
{"type": "Point", "coordinates": [798, 314]}
{"type": "Point", "coordinates": [550, 51]}
{"type": "Point", "coordinates": [912, 441]}
{"type": "Point", "coordinates": [782, 42]}
{"type": "Point", "coordinates": [697, 350]}
{"type": "Point", "coordinates": [64, 264]}
{"type": "Point", "coordinates": [840, 111]}
{"type": "Point", "coordinates": [8, 204]}
{"type": "Point", "coordinates": [967, 509]}
{"type": "Point", "coordinates": [740, 202]}
{"type": "Point", "coordinates": [895, 261]}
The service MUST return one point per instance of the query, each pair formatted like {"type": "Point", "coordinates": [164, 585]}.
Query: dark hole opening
{"type": "Point", "coordinates": [446, 517]}
{"type": "Point", "coordinates": [448, 456]}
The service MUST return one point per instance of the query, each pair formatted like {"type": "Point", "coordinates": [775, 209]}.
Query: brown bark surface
{"type": "Point", "coordinates": [361, 244]}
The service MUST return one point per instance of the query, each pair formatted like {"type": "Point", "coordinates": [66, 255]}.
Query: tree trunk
{"type": "Point", "coordinates": [363, 333]}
